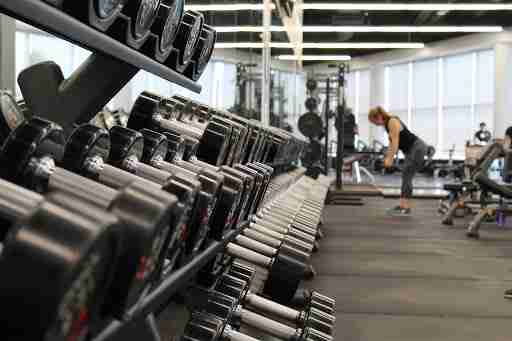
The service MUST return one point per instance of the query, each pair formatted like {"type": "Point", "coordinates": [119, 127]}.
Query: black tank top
{"type": "Point", "coordinates": [406, 138]}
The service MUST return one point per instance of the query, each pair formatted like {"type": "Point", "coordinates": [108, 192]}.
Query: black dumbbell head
{"type": "Point", "coordinates": [175, 147]}
{"type": "Point", "coordinates": [232, 286]}
{"type": "Point", "coordinates": [125, 143]}
{"type": "Point", "coordinates": [284, 278]}
{"type": "Point", "coordinates": [203, 53]}
{"type": "Point", "coordinates": [61, 305]}
{"type": "Point", "coordinates": [314, 335]}
{"type": "Point", "coordinates": [86, 142]}
{"type": "Point", "coordinates": [155, 145]}
{"type": "Point", "coordinates": [221, 305]}
{"type": "Point", "coordinates": [167, 22]}
{"type": "Point", "coordinates": [203, 327]}
{"type": "Point", "coordinates": [242, 271]}
{"type": "Point", "coordinates": [188, 36]}
{"type": "Point", "coordinates": [32, 138]}
{"type": "Point", "coordinates": [143, 111]}
{"type": "Point", "coordinates": [318, 320]}
{"type": "Point", "coordinates": [320, 302]}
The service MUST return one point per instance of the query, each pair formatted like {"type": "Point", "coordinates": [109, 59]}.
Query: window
{"type": "Point", "coordinates": [457, 102]}
{"type": "Point", "coordinates": [424, 118]}
{"type": "Point", "coordinates": [485, 88]}
{"type": "Point", "coordinates": [398, 88]}
{"type": "Point", "coordinates": [363, 105]}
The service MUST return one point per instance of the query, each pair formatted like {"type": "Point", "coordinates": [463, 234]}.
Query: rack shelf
{"type": "Point", "coordinates": [176, 281]}
{"type": "Point", "coordinates": [41, 15]}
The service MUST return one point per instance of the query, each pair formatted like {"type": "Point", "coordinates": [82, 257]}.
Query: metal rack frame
{"type": "Point", "coordinates": [89, 83]}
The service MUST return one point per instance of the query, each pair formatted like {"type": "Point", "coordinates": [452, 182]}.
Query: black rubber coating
{"type": "Point", "coordinates": [143, 111]}
{"type": "Point", "coordinates": [284, 279]}
{"type": "Point", "coordinates": [155, 145]}
{"type": "Point", "coordinates": [85, 142]}
{"type": "Point", "coordinates": [124, 143]}
{"type": "Point", "coordinates": [33, 138]}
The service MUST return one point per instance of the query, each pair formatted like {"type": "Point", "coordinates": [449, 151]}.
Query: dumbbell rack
{"type": "Point", "coordinates": [176, 281]}
{"type": "Point", "coordinates": [88, 85]}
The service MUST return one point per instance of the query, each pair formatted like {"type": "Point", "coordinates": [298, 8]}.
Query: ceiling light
{"type": "Point", "coordinates": [324, 45]}
{"type": "Point", "coordinates": [363, 45]}
{"type": "Point", "coordinates": [226, 8]}
{"type": "Point", "coordinates": [367, 29]}
{"type": "Point", "coordinates": [239, 45]}
{"type": "Point", "coordinates": [313, 57]}
{"type": "Point", "coordinates": [407, 7]}
{"type": "Point", "coordinates": [402, 29]}
{"type": "Point", "coordinates": [256, 29]}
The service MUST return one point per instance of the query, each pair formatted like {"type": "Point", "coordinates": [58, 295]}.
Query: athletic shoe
{"type": "Point", "coordinates": [397, 211]}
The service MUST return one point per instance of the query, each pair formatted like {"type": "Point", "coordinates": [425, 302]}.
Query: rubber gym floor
{"type": "Point", "coordinates": [412, 278]}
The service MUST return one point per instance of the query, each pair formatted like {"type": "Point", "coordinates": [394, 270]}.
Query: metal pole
{"type": "Point", "coordinates": [327, 112]}
{"type": "Point", "coordinates": [266, 55]}
{"type": "Point", "coordinates": [339, 152]}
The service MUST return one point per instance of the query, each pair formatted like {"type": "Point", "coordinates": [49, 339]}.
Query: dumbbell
{"type": "Point", "coordinates": [207, 327]}
{"type": "Point", "coordinates": [146, 232]}
{"type": "Point", "coordinates": [311, 317]}
{"type": "Point", "coordinates": [212, 179]}
{"type": "Point", "coordinates": [57, 265]}
{"type": "Point", "coordinates": [154, 153]}
{"type": "Point", "coordinates": [311, 299]}
{"type": "Point", "coordinates": [186, 41]}
{"type": "Point", "coordinates": [127, 148]}
{"type": "Point", "coordinates": [196, 114]}
{"type": "Point", "coordinates": [284, 273]}
{"type": "Point", "coordinates": [150, 111]}
{"type": "Point", "coordinates": [229, 309]}
{"type": "Point", "coordinates": [203, 54]}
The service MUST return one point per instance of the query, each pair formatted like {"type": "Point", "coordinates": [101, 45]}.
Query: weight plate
{"type": "Point", "coordinates": [311, 85]}
{"type": "Point", "coordinates": [146, 15]}
{"type": "Point", "coordinates": [106, 8]}
{"type": "Point", "coordinates": [166, 26]}
{"type": "Point", "coordinates": [194, 34]}
{"type": "Point", "coordinates": [312, 104]}
{"type": "Point", "coordinates": [311, 125]}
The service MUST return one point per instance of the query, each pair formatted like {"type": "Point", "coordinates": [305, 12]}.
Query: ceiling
{"type": "Point", "coordinates": [324, 18]}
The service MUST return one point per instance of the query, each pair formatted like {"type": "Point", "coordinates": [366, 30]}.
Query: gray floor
{"type": "Point", "coordinates": [413, 279]}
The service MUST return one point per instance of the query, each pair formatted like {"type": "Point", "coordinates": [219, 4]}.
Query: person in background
{"type": "Point", "coordinates": [508, 137]}
{"type": "Point", "coordinates": [483, 136]}
{"type": "Point", "coordinates": [413, 147]}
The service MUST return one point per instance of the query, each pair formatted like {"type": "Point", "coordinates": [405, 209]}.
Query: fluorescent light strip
{"type": "Point", "coordinates": [360, 7]}
{"type": "Point", "coordinates": [226, 8]}
{"type": "Point", "coordinates": [367, 29]}
{"type": "Point", "coordinates": [407, 7]}
{"type": "Point", "coordinates": [256, 29]}
{"type": "Point", "coordinates": [402, 29]}
{"type": "Point", "coordinates": [248, 45]}
{"type": "Point", "coordinates": [317, 58]}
